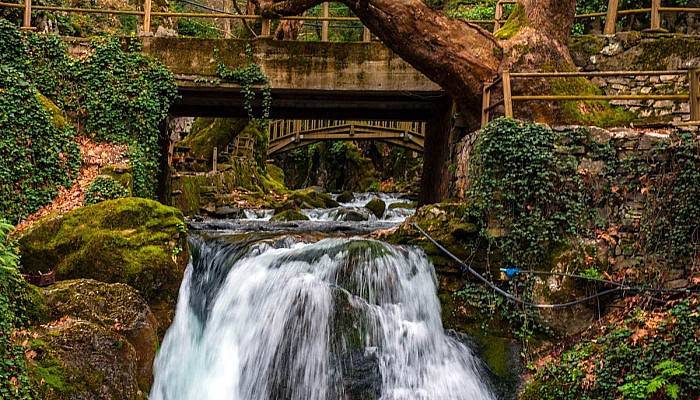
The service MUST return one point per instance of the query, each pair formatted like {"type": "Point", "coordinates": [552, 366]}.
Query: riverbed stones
{"type": "Point", "coordinates": [377, 206]}
{"type": "Point", "coordinates": [346, 197]}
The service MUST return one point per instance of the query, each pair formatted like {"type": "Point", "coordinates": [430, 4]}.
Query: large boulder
{"type": "Point", "coordinates": [134, 241]}
{"type": "Point", "coordinates": [80, 360]}
{"type": "Point", "coordinates": [312, 198]}
{"type": "Point", "coordinates": [116, 307]}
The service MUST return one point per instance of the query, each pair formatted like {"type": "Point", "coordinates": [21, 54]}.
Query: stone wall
{"type": "Point", "coordinates": [641, 52]}
{"type": "Point", "coordinates": [618, 198]}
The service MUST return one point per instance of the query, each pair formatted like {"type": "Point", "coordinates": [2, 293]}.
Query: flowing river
{"type": "Point", "coordinates": [297, 311]}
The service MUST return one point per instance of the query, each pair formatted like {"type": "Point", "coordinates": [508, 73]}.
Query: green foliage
{"type": "Point", "coordinates": [37, 155]}
{"type": "Point", "coordinates": [521, 185]}
{"type": "Point", "coordinates": [196, 28]}
{"type": "Point", "coordinates": [104, 188]}
{"type": "Point", "coordinates": [113, 95]}
{"type": "Point", "coordinates": [652, 357]}
{"type": "Point", "coordinates": [248, 76]}
{"type": "Point", "coordinates": [670, 221]}
{"type": "Point", "coordinates": [14, 300]}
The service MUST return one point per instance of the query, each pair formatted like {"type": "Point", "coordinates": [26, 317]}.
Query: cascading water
{"type": "Point", "coordinates": [287, 320]}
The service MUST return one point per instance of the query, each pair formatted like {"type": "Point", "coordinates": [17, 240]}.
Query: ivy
{"type": "Point", "coordinates": [526, 189]}
{"type": "Point", "coordinates": [647, 357]}
{"type": "Point", "coordinates": [14, 300]}
{"type": "Point", "coordinates": [113, 95]}
{"type": "Point", "coordinates": [247, 76]}
{"type": "Point", "coordinates": [39, 155]}
{"type": "Point", "coordinates": [104, 188]}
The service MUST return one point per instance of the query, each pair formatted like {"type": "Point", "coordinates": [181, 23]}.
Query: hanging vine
{"type": "Point", "coordinates": [248, 77]}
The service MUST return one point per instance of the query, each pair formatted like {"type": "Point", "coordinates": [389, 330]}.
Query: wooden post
{"type": "Point", "coordinates": [655, 15]}
{"type": "Point", "coordinates": [611, 17]}
{"type": "Point", "coordinates": [507, 95]}
{"type": "Point", "coordinates": [498, 17]}
{"type": "Point", "coordinates": [366, 35]}
{"type": "Point", "coordinates": [266, 29]}
{"type": "Point", "coordinates": [485, 104]}
{"type": "Point", "coordinates": [227, 21]}
{"type": "Point", "coordinates": [694, 79]}
{"type": "Point", "coordinates": [214, 159]}
{"type": "Point", "coordinates": [27, 21]}
{"type": "Point", "coordinates": [147, 16]}
{"type": "Point", "coordinates": [325, 23]}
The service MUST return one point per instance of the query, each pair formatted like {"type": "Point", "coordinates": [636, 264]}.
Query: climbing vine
{"type": "Point", "coordinates": [113, 95]}
{"type": "Point", "coordinates": [247, 76]}
{"type": "Point", "coordinates": [104, 188]}
{"type": "Point", "coordinates": [38, 150]}
{"type": "Point", "coordinates": [528, 192]}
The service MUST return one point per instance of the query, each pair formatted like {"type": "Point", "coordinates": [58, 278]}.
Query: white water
{"type": "Point", "coordinates": [287, 320]}
{"type": "Point", "coordinates": [337, 214]}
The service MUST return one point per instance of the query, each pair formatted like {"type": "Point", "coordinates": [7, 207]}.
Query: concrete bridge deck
{"type": "Point", "coordinates": [308, 79]}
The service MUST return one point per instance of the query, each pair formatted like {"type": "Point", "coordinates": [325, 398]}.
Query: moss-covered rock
{"type": "Point", "coordinates": [120, 173]}
{"type": "Point", "coordinates": [312, 198]}
{"type": "Point", "coordinates": [135, 241]}
{"type": "Point", "coordinates": [345, 197]}
{"type": "Point", "coordinates": [289, 215]}
{"type": "Point", "coordinates": [208, 133]}
{"type": "Point", "coordinates": [403, 205]}
{"type": "Point", "coordinates": [78, 359]}
{"type": "Point", "coordinates": [116, 307]}
{"type": "Point", "coordinates": [377, 206]}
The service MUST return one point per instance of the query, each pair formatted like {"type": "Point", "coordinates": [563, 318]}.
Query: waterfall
{"type": "Point", "coordinates": [337, 319]}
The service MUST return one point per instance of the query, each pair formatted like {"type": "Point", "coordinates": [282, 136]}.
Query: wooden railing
{"type": "Point", "coordinates": [286, 135]}
{"type": "Point", "coordinates": [506, 100]}
{"type": "Point", "coordinates": [611, 16]}
{"type": "Point", "coordinates": [280, 129]}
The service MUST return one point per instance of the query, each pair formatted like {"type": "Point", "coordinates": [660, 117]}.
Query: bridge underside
{"type": "Point", "coordinates": [227, 102]}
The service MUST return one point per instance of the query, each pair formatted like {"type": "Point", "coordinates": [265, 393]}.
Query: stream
{"type": "Point", "coordinates": [311, 310]}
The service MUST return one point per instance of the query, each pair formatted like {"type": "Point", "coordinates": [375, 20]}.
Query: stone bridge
{"type": "Point", "coordinates": [308, 79]}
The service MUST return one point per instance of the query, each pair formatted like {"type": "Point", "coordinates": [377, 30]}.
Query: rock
{"type": "Point", "coordinates": [345, 197]}
{"type": "Point", "coordinates": [289, 215]}
{"type": "Point", "coordinates": [139, 242]}
{"type": "Point", "coordinates": [377, 206]}
{"type": "Point", "coordinates": [116, 307]}
{"type": "Point", "coordinates": [404, 205]}
{"type": "Point", "coordinates": [81, 360]}
{"type": "Point", "coordinates": [345, 214]}
{"type": "Point", "coordinates": [310, 198]}
{"type": "Point", "coordinates": [165, 32]}
{"type": "Point", "coordinates": [226, 212]}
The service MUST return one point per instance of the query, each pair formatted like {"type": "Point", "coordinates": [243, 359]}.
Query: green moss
{"type": "Point", "coordinates": [587, 45]}
{"type": "Point", "coordinates": [665, 52]}
{"type": "Point", "coordinates": [516, 21]}
{"type": "Point", "coordinates": [130, 240]}
{"type": "Point", "coordinates": [407, 204]}
{"type": "Point", "coordinates": [311, 198]}
{"type": "Point", "coordinates": [57, 117]}
{"type": "Point", "coordinates": [289, 215]}
{"type": "Point", "coordinates": [377, 206]}
{"type": "Point", "coordinates": [208, 133]}
{"type": "Point", "coordinates": [593, 113]}
{"type": "Point", "coordinates": [120, 173]}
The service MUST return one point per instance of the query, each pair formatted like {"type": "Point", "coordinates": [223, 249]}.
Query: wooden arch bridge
{"type": "Point", "coordinates": [286, 135]}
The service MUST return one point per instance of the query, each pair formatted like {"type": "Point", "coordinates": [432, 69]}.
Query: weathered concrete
{"type": "Point", "coordinates": [333, 80]}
